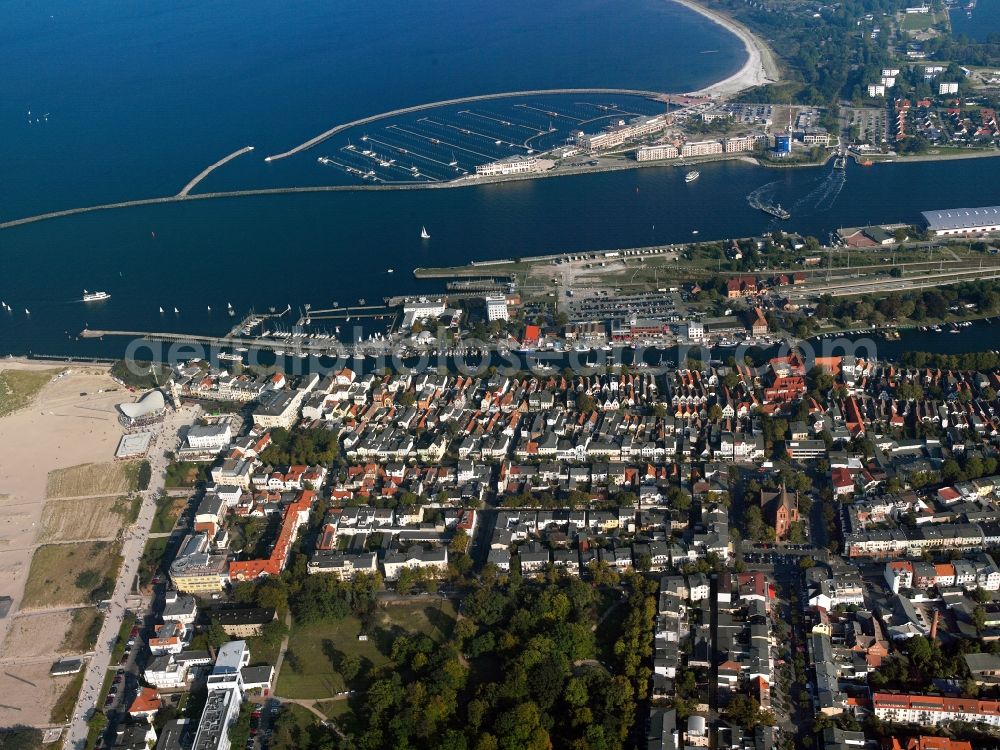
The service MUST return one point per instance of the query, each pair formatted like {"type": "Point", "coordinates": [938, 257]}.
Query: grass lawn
{"type": "Point", "coordinates": [292, 727]}
{"type": "Point", "coordinates": [334, 709]}
{"type": "Point", "coordinates": [308, 670]}
{"type": "Point", "coordinates": [120, 641]}
{"type": "Point", "coordinates": [69, 573]}
{"type": "Point", "coordinates": [86, 518]}
{"type": "Point", "coordinates": [93, 732]}
{"type": "Point", "coordinates": [62, 709]}
{"type": "Point", "coordinates": [168, 510]}
{"type": "Point", "coordinates": [19, 387]}
{"type": "Point", "coordinates": [262, 651]}
{"type": "Point", "coordinates": [185, 474]}
{"type": "Point", "coordinates": [916, 21]}
{"type": "Point", "coordinates": [432, 616]}
{"type": "Point", "coordinates": [83, 630]}
{"type": "Point", "coordinates": [93, 479]}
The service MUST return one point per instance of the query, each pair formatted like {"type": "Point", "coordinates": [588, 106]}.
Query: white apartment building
{"type": "Point", "coordinates": [496, 308]}
{"type": "Point", "coordinates": [509, 165]}
{"type": "Point", "coordinates": [740, 143]}
{"type": "Point", "coordinates": [657, 152]}
{"type": "Point", "coordinates": [621, 133]}
{"type": "Point", "coordinates": [701, 148]}
{"type": "Point", "coordinates": [934, 710]}
{"type": "Point", "coordinates": [434, 561]}
{"type": "Point", "coordinates": [695, 330]}
{"type": "Point", "coordinates": [212, 437]}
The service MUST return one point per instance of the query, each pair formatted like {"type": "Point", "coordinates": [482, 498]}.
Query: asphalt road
{"type": "Point", "coordinates": [133, 544]}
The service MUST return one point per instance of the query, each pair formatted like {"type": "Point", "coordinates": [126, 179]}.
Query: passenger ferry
{"type": "Point", "coordinates": [692, 176]}
{"type": "Point", "coordinates": [95, 296]}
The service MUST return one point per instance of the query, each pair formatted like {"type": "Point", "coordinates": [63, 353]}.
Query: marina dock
{"type": "Point", "coordinates": [305, 146]}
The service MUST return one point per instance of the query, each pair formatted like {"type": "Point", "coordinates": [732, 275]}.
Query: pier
{"type": "Point", "coordinates": [316, 347]}
{"type": "Point", "coordinates": [346, 313]}
{"type": "Point", "coordinates": [315, 140]}
{"type": "Point", "coordinates": [211, 168]}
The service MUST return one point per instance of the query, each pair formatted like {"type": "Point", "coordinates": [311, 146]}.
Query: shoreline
{"type": "Point", "coordinates": [760, 67]}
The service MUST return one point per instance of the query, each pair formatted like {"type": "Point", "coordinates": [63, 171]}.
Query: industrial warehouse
{"type": "Point", "coordinates": [954, 221]}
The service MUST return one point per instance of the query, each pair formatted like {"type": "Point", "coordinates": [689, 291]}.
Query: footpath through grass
{"type": "Point", "coordinates": [71, 574]}
{"type": "Point", "coordinates": [19, 387]}
{"type": "Point", "coordinates": [93, 479]}
{"type": "Point", "coordinates": [83, 631]}
{"type": "Point", "coordinates": [62, 709]}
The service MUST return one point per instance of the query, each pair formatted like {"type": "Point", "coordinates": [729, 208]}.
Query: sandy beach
{"type": "Point", "coordinates": [58, 429]}
{"type": "Point", "coordinates": [760, 67]}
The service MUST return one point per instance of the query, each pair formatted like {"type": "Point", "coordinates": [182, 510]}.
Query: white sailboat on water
{"type": "Point", "coordinates": [424, 234]}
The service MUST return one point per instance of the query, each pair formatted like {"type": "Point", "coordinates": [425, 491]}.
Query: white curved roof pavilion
{"type": "Point", "coordinates": [148, 407]}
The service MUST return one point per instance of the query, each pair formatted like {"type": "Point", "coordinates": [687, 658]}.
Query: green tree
{"type": "Point", "coordinates": [459, 543]}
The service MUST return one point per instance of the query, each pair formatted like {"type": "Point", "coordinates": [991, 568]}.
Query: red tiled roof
{"type": "Point", "coordinates": [146, 701]}
{"type": "Point", "coordinates": [273, 565]}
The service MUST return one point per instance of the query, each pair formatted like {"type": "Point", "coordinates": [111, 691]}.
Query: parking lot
{"type": "Point", "coordinates": [870, 122]}
{"type": "Point", "coordinates": [668, 306]}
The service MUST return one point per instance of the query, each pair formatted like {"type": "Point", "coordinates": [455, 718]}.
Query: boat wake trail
{"type": "Point", "coordinates": [763, 195]}
{"type": "Point", "coordinates": [837, 181]}
{"type": "Point", "coordinates": [824, 195]}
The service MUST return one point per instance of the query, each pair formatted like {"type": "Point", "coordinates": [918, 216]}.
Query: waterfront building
{"type": "Point", "coordinates": [741, 143]}
{"type": "Point", "coordinates": [701, 148]}
{"type": "Point", "coordinates": [620, 132]}
{"type": "Point", "coordinates": [963, 221]}
{"type": "Point", "coordinates": [516, 164]}
{"type": "Point", "coordinates": [695, 330]}
{"type": "Point", "coordinates": [496, 307]}
{"type": "Point", "coordinates": [148, 410]}
{"type": "Point", "coordinates": [421, 308]}
{"type": "Point", "coordinates": [816, 137]}
{"type": "Point", "coordinates": [656, 152]}
{"type": "Point", "coordinates": [783, 144]}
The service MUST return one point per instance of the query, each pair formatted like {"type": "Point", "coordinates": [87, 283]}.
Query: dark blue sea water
{"type": "Point", "coordinates": [320, 248]}
{"type": "Point", "coordinates": [141, 97]}
{"type": "Point", "coordinates": [983, 21]}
